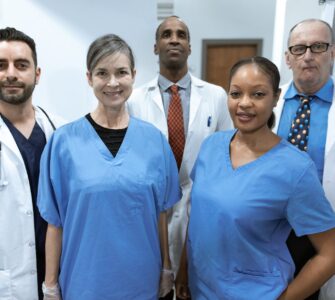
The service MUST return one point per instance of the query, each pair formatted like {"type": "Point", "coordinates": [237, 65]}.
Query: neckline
{"type": "Point", "coordinates": [102, 148]}
{"type": "Point", "coordinates": [251, 163]}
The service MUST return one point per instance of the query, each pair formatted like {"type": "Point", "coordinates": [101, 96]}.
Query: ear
{"type": "Point", "coordinates": [89, 78]}
{"type": "Point", "coordinates": [276, 98]}
{"type": "Point", "coordinates": [189, 49]}
{"type": "Point", "coordinates": [38, 75]}
{"type": "Point", "coordinates": [287, 59]}
{"type": "Point", "coordinates": [134, 75]}
{"type": "Point", "coordinates": [155, 49]}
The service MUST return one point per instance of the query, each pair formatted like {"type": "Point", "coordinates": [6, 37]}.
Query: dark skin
{"type": "Point", "coordinates": [173, 48]}
{"type": "Point", "coordinates": [251, 100]}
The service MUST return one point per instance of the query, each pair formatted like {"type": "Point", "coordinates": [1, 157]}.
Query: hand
{"type": "Point", "coordinates": [166, 282]}
{"type": "Point", "coordinates": [181, 284]}
{"type": "Point", "coordinates": [51, 293]}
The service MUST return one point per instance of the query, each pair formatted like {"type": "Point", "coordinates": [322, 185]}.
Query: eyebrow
{"type": "Point", "coordinates": [16, 60]}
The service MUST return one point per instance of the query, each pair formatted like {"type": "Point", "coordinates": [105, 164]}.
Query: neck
{"type": "Point", "coordinates": [309, 89]}
{"type": "Point", "coordinates": [259, 141]}
{"type": "Point", "coordinates": [174, 75]}
{"type": "Point", "coordinates": [18, 113]}
{"type": "Point", "coordinates": [111, 118]}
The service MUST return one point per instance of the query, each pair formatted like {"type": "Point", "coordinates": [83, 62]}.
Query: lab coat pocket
{"type": "Point", "coordinates": [5, 286]}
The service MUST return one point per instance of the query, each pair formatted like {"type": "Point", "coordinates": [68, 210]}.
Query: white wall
{"type": "Point", "coordinates": [63, 31]}
{"type": "Point", "coordinates": [226, 19]}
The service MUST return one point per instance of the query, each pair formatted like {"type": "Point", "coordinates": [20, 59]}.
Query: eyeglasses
{"type": "Point", "coordinates": [315, 48]}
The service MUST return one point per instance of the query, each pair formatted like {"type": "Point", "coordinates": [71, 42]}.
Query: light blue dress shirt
{"type": "Point", "coordinates": [320, 106]}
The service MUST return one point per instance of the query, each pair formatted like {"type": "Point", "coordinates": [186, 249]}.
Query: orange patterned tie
{"type": "Point", "coordinates": [176, 125]}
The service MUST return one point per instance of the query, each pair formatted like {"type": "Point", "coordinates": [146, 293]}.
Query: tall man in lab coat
{"type": "Point", "coordinates": [310, 56]}
{"type": "Point", "coordinates": [204, 111]}
{"type": "Point", "coordinates": [24, 130]}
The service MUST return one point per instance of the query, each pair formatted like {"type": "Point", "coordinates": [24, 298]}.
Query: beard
{"type": "Point", "coordinates": [26, 90]}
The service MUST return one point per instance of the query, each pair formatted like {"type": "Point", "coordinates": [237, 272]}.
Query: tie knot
{"type": "Point", "coordinates": [174, 88]}
{"type": "Point", "coordinates": [305, 99]}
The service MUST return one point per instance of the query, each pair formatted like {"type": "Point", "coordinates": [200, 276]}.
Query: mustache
{"type": "Point", "coordinates": [7, 83]}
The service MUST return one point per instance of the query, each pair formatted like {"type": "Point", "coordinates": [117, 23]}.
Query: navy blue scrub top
{"type": "Point", "coordinates": [31, 150]}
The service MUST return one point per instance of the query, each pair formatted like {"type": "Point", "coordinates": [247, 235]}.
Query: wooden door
{"type": "Point", "coordinates": [220, 56]}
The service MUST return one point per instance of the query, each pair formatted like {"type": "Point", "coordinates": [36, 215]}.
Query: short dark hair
{"type": "Point", "coordinates": [12, 34]}
{"type": "Point", "coordinates": [268, 68]}
{"type": "Point", "coordinates": [179, 19]}
{"type": "Point", "coordinates": [311, 21]}
{"type": "Point", "coordinates": [107, 45]}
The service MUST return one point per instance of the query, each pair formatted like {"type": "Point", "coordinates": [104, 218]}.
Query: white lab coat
{"type": "Point", "coordinates": [18, 278]}
{"type": "Point", "coordinates": [208, 106]}
{"type": "Point", "coordinates": [328, 290]}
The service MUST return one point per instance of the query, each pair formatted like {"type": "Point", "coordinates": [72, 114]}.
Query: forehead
{"type": "Point", "coordinates": [173, 24]}
{"type": "Point", "coordinates": [309, 32]}
{"type": "Point", "coordinates": [14, 50]}
{"type": "Point", "coordinates": [251, 74]}
{"type": "Point", "coordinates": [116, 60]}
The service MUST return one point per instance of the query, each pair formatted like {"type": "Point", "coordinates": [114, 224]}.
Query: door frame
{"type": "Point", "coordinates": [221, 42]}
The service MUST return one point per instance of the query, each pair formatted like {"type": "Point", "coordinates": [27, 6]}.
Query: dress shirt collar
{"type": "Point", "coordinates": [324, 94]}
{"type": "Point", "coordinates": [165, 83]}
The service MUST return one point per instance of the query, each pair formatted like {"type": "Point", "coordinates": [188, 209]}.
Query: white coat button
{"type": "Point", "coordinates": [29, 213]}
{"type": "Point", "coordinates": [31, 244]}
{"type": "Point", "coordinates": [32, 272]}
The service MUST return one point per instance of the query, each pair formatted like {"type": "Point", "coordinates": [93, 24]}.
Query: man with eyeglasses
{"type": "Point", "coordinates": [310, 56]}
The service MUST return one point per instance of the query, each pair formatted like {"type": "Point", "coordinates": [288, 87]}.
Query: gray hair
{"type": "Point", "coordinates": [107, 45]}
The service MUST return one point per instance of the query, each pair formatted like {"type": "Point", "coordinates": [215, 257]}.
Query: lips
{"type": "Point", "coordinates": [112, 93]}
{"type": "Point", "coordinates": [174, 50]}
{"type": "Point", "coordinates": [11, 85]}
{"type": "Point", "coordinates": [245, 116]}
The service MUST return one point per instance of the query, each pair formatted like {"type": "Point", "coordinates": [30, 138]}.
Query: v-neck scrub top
{"type": "Point", "coordinates": [108, 208]}
{"type": "Point", "coordinates": [240, 219]}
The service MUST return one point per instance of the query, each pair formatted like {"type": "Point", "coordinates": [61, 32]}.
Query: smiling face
{"type": "Point", "coordinates": [112, 80]}
{"type": "Point", "coordinates": [172, 45]}
{"type": "Point", "coordinates": [18, 73]}
{"type": "Point", "coordinates": [251, 98]}
{"type": "Point", "coordinates": [310, 70]}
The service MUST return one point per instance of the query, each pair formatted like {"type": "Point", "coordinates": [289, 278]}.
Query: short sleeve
{"type": "Point", "coordinates": [308, 210]}
{"type": "Point", "coordinates": [171, 193]}
{"type": "Point", "coordinates": [46, 198]}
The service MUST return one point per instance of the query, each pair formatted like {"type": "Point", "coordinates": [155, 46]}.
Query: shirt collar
{"type": "Point", "coordinates": [165, 83]}
{"type": "Point", "coordinates": [324, 94]}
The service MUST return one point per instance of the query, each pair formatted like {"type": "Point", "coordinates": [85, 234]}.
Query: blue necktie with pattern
{"type": "Point", "coordinates": [298, 135]}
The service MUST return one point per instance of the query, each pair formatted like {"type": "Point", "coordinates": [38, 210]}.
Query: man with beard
{"type": "Point", "coordinates": [306, 116]}
{"type": "Point", "coordinates": [187, 110]}
{"type": "Point", "coordinates": [24, 131]}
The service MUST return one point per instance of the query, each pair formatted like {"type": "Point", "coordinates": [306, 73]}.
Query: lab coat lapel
{"type": "Point", "coordinates": [195, 101]}
{"type": "Point", "coordinates": [155, 109]}
{"type": "Point", "coordinates": [330, 142]}
{"type": "Point", "coordinates": [279, 108]}
{"type": "Point", "coordinates": [7, 139]}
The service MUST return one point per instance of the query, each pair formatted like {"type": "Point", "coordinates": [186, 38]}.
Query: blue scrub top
{"type": "Point", "coordinates": [108, 208]}
{"type": "Point", "coordinates": [240, 219]}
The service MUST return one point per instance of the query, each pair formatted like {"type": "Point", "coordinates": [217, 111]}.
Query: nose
{"type": "Point", "coordinates": [11, 73]}
{"type": "Point", "coordinates": [245, 101]}
{"type": "Point", "coordinates": [308, 55]}
{"type": "Point", "coordinates": [174, 38]}
{"type": "Point", "coordinates": [113, 81]}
